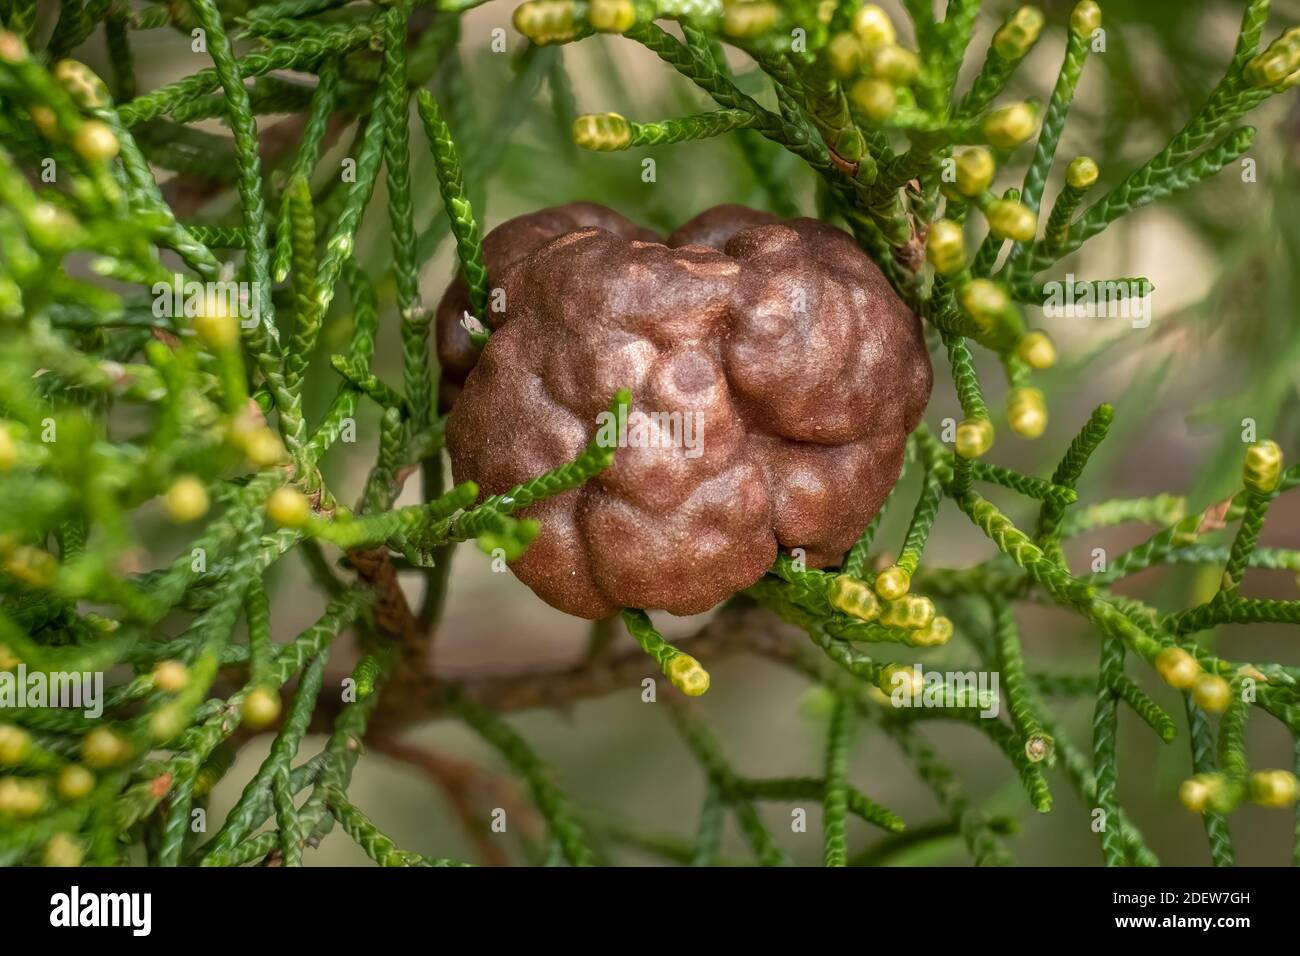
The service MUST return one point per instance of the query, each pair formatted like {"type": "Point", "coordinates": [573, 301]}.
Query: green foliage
{"type": "Point", "coordinates": [108, 402]}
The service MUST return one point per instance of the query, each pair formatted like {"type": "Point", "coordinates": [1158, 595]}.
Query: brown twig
{"type": "Point", "coordinates": [732, 630]}
{"type": "Point", "coordinates": [468, 787]}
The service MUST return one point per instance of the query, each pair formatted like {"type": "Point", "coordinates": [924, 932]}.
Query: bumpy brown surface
{"type": "Point", "coordinates": [805, 368]}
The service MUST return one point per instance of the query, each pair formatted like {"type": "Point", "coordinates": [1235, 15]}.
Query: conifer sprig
{"type": "Point", "coordinates": [233, 438]}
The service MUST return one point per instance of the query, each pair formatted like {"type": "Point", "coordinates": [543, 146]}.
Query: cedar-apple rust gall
{"type": "Point", "coordinates": [779, 342]}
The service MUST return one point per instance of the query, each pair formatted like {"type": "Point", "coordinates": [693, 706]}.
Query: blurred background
{"type": "Point", "coordinates": [1223, 346]}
